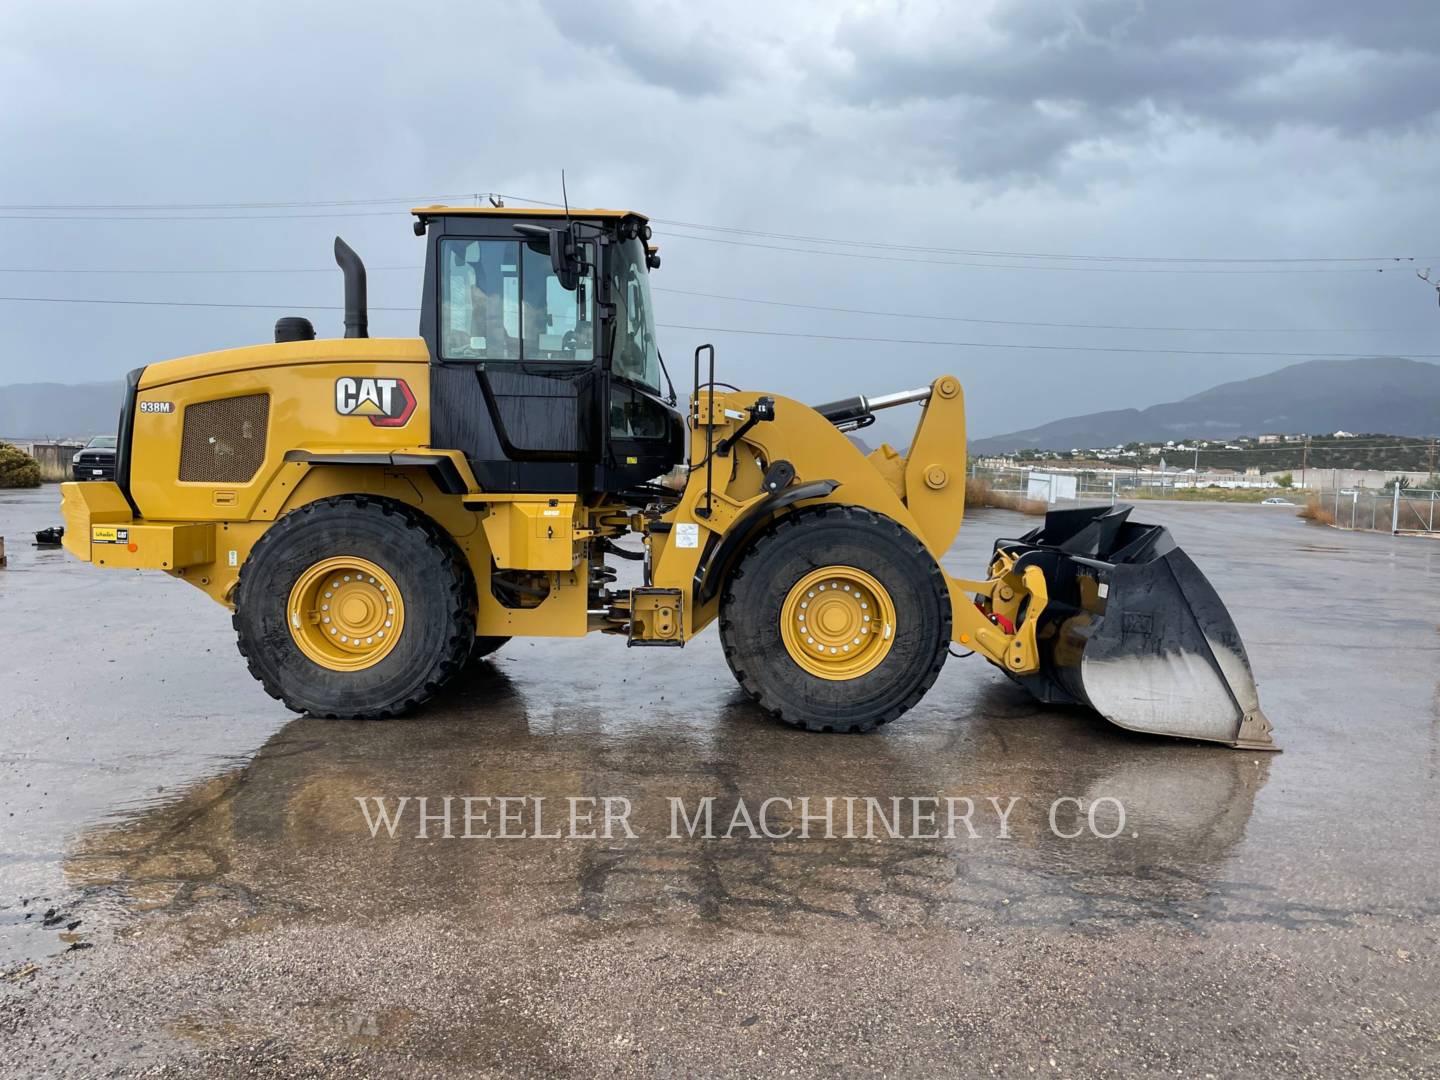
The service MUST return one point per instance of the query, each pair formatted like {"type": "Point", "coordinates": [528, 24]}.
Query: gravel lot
{"type": "Point", "coordinates": [189, 886]}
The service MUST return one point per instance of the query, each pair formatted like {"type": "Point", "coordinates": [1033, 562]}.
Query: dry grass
{"type": "Point", "coordinates": [55, 472]}
{"type": "Point", "coordinates": [1316, 511]}
{"type": "Point", "coordinates": [978, 492]}
{"type": "Point", "coordinates": [1213, 493]}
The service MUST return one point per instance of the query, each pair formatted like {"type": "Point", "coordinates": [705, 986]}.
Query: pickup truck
{"type": "Point", "coordinates": [96, 460]}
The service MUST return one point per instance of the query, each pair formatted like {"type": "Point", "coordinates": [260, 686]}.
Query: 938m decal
{"type": "Point", "coordinates": [384, 402]}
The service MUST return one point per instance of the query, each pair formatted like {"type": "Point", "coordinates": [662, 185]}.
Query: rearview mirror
{"type": "Point", "coordinates": [565, 258]}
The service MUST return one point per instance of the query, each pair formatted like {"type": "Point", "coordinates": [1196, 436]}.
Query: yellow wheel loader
{"type": "Point", "coordinates": [379, 512]}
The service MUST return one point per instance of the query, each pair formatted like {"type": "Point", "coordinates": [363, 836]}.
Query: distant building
{"type": "Point", "coordinates": [1265, 439]}
{"type": "Point", "coordinates": [1344, 435]}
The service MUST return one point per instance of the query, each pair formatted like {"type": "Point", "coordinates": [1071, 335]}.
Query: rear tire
{"type": "Point", "coordinates": [869, 555]}
{"type": "Point", "coordinates": [285, 644]}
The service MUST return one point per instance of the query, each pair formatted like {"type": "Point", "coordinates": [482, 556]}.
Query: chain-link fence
{"type": "Point", "coordinates": [1397, 510]}
{"type": "Point", "coordinates": [1049, 487]}
{"type": "Point", "coordinates": [1393, 509]}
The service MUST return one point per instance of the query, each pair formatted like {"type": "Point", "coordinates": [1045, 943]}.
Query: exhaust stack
{"type": "Point", "coordinates": [357, 317]}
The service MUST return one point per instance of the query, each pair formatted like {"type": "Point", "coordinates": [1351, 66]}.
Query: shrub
{"type": "Point", "coordinates": [17, 468]}
{"type": "Point", "coordinates": [1285, 480]}
{"type": "Point", "coordinates": [1316, 511]}
{"type": "Point", "coordinates": [978, 492]}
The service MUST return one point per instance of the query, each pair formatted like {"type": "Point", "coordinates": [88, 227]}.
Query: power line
{"type": "Point", "coordinates": [191, 304]}
{"type": "Point", "coordinates": [1042, 348]}
{"type": "Point", "coordinates": [975, 252]}
{"type": "Point", "coordinates": [191, 212]}
{"type": "Point", "coordinates": [195, 217]}
{"type": "Point", "coordinates": [186, 273]}
{"type": "Point", "coordinates": [1022, 266]}
{"type": "Point", "coordinates": [768, 303]}
{"type": "Point", "coordinates": [407, 200]}
{"type": "Point", "coordinates": [1059, 325]}
{"type": "Point", "coordinates": [982, 253]}
{"type": "Point", "coordinates": [292, 305]}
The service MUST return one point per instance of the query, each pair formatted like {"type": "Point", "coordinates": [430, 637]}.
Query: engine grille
{"type": "Point", "coordinates": [223, 442]}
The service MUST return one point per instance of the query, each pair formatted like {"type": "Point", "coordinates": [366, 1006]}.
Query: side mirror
{"type": "Point", "coordinates": [565, 258]}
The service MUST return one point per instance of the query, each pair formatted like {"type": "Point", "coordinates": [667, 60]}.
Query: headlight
{"type": "Point", "coordinates": [75, 460]}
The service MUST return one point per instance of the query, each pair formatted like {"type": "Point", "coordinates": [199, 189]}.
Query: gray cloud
{"type": "Point", "coordinates": [1262, 129]}
{"type": "Point", "coordinates": [654, 43]}
{"type": "Point", "coordinates": [1120, 68]}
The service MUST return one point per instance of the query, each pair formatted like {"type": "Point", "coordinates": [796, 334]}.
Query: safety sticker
{"type": "Point", "coordinates": [687, 535]}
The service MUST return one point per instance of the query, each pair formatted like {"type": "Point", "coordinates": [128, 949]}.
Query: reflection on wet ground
{"type": "Point", "coordinates": [284, 832]}
{"type": "Point", "coordinates": [193, 812]}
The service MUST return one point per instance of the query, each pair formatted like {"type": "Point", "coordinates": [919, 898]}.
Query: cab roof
{"type": "Point", "coordinates": [521, 211]}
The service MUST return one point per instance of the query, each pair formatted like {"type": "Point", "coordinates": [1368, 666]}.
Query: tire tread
{"type": "Point", "coordinates": [804, 518]}
{"type": "Point", "coordinates": [448, 565]}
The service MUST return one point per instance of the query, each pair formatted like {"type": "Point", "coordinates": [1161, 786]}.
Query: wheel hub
{"type": "Point", "coordinates": [345, 613]}
{"type": "Point", "coordinates": [837, 622]}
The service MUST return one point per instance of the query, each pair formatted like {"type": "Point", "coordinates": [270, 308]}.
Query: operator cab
{"type": "Point", "coordinates": [545, 371]}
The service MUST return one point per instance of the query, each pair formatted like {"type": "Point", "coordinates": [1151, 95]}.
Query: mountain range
{"type": "Point", "coordinates": [1388, 394]}
{"type": "Point", "coordinates": [57, 411]}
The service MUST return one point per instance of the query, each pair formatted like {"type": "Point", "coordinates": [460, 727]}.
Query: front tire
{"type": "Point", "coordinates": [354, 607]}
{"type": "Point", "coordinates": [837, 619]}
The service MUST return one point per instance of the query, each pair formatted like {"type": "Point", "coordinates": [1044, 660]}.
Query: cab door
{"type": "Point", "coordinates": [514, 380]}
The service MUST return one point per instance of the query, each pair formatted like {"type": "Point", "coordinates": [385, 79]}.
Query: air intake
{"type": "Point", "coordinates": [223, 442]}
{"type": "Point", "coordinates": [294, 328]}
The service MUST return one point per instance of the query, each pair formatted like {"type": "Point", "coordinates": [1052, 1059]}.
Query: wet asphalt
{"type": "Point", "coordinates": [188, 885]}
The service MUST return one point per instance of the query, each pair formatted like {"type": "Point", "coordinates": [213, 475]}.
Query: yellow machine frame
{"type": "Point", "coordinates": [203, 532]}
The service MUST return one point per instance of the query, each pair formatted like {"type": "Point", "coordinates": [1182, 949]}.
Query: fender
{"type": "Point", "coordinates": [713, 571]}
{"type": "Point", "coordinates": [445, 468]}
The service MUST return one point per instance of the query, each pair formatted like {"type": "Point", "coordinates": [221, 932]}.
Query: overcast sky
{"type": "Point", "coordinates": [1228, 129]}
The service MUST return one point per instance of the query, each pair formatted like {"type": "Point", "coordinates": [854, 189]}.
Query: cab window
{"type": "Point", "coordinates": [633, 415]}
{"type": "Point", "coordinates": [500, 300]}
{"type": "Point", "coordinates": [637, 355]}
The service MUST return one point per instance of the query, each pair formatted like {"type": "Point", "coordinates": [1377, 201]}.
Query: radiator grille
{"type": "Point", "coordinates": [223, 442]}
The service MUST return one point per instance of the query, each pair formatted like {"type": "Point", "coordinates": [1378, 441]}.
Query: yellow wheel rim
{"type": "Point", "coordinates": [345, 613]}
{"type": "Point", "coordinates": [838, 622]}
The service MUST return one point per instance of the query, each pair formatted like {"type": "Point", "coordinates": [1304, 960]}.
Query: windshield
{"type": "Point", "coordinates": [101, 442]}
{"type": "Point", "coordinates": [636, 355]}
{"type": "Point", "coordinates": [501, 300]}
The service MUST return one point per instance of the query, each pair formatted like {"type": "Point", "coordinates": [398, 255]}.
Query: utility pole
{"type": "Point", "coordinates": [1304, 460]}
{"type": "Point", "coordinates": [1432, 455]}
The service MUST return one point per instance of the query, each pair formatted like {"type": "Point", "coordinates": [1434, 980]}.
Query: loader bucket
{"type": "Point", "coordinates": [1136, 632]}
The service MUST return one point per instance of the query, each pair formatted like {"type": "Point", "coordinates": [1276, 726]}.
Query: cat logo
{"type": "Point", "coordinates": [384, 402]}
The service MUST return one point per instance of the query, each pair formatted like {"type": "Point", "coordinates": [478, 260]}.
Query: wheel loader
{"type": "Point", "coordinates": [379, 512]}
